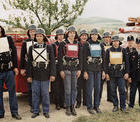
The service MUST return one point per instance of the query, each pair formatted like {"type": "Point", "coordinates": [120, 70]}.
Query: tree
{"type": "Point", "coordinates": [48, 14]}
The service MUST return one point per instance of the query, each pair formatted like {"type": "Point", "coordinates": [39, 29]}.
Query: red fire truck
{"type": "Point", "coordinates": [21, 82]}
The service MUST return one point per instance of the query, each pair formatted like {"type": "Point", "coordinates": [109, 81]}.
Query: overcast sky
{"type": "Point", "coordinates": [118, 9]}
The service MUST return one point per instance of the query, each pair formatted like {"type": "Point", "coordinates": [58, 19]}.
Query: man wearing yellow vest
{"type": "Point", "coordinates": [105, 45]}
{"type": "Point", "coordinates": [117, 70]}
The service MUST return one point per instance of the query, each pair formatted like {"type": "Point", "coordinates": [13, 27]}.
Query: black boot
{"type": "Point", "coordinates": [98, 110]}
{"type": "Point", "coordinates": [46, 115]}
{"type": "Point", "coordinates": [58, 107]}
{"type": "Point", "coordinates": [77, 105]}
{"type": "Point", "coordinates": [1, 116]}
{"type": "Point", "coordinates": [124, 110]}
{"type": "Point", "coordinates": [91, 111]}
{"type": "Point", "coordinates": [68, 111]}
{"type": "Point", "coordinates": [16, 116]}
{"type": "Point", "coordinates": [73, 112]}
{"type": "Point", "coordinates": [35, 115]}
{"type": "Point", "coordinates": [115, 109]}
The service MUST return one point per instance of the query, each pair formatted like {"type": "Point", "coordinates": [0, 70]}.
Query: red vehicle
{"type": "Point", "coordinates": [21, 82]}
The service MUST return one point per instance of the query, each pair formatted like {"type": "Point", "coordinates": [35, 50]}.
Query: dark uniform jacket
{"type": "Point", "coordinates": [99, 64]}
{"type": "Point", "coordinates": [5, 58]}
{"type": "Point", "coordinates": [116, 70]}
{"type": "Point", "coordinates": [24, 54]}
{"type": "Point", "coordinates": [135, 65]}
{"type": "Point", "coordinates": [82, 48]}
{"type": "Point", "coordinates": [62, 57]}
{"type": "Point", "coordinates": [41, 73]}
{"type": "Point", "coordinates": [128, 50]}
{"type": "Point", "coordinates": [55, 49]}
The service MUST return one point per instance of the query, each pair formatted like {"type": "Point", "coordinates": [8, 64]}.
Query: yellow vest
{"type": "Point", "coordinates": [116, 57]}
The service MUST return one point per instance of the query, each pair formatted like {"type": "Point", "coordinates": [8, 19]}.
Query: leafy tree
{"type": "Point", "coordinates": [48, 14]}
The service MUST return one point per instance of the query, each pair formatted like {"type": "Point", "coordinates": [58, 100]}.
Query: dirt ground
{"type": "Point", "coordinates": [55, 116]}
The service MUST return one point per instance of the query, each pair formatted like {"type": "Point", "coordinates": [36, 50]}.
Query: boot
{"type": "Point", "coordinates": [91, 111]}
{"type": "Point", "coordinates": [124, 110]}
{"type": "Point", "coordinates": [115, 109]}
{"type": "Point", "coordinates": [58, 107]}
{"type": "Point", "coordinates": [73, 112]}
{"type": "Point", "coordinates": [98, 110]}
{"type": "Point", "coordinates": [68, 111]}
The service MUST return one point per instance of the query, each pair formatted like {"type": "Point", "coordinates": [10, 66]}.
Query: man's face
{"type": "Point", "coordinates": [94, 37]}
{"type": "Point", "coordinates": [84, 37]}
{"type": "Point", "coordinates": [39, 38]}
{"type": "Point", "coordinates": [107, 39]}
{"type": "Point", "coordinates": [131, 43]}
{"type": "Point", "coordinates": [116, 43]}
{"type": "Point", "coordinates": [32, 33]}
{"type": "Point", "coordinates": [60, 37]}
{"type": "Point", "coordinates": [138, 46]}
{"type": "Point", "coordinates": [71, 34]}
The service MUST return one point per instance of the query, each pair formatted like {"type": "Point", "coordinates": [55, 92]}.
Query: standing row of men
{"type": "Point", "coordinates": [75, 64]}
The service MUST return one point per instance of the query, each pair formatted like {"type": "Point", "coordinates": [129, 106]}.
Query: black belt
{"type": "Point", "coordinates": [40, 65]}
{"type": "Point", "coordinates": [72, 63]}
{"type": "Point", "coordinates": [5, 66]}
{"type": "Point", "coordinates": [118, 67]}
{"type": "Point", "coordinates": [94, 60]}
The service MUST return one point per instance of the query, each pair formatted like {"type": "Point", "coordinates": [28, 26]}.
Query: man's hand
{"type": "Point", "coordinates": [23, 72]}
{"type": "Point", "coordinates": [78, 74]}
{"type": "Point", "coordinates": [126, 76]}
{"type": "Point", "coordinates": [86, 75]}
{"type": "Point", "coordinates": [29, 80]}
{"type": "Point", "coordinates": [107, 77]}
{"type": "Point", "coordinates": [103, 75]}
{"type": "Point", "coordinates": [16, 71]}
{"type": "Point", "coordinates": [62, 74]}
{"type": "Point", "coordinates": [52, 78]}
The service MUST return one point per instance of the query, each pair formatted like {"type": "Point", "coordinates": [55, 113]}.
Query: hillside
{"type": "Point", "coordinates": [98, 20]}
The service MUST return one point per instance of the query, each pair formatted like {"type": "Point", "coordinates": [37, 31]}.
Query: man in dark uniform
{"type": "Point", "coordinates": [58, 85]}
{"type": "Point", "coordinates": [81, 83]}
{"type": "Point", "coordinates": [105, 45]}
{"type": "Point", "coordinates": [117, 71]}
{"type": "Point", "coordinates": [70, 66]}
{"type": "Point", "coordinates": [135, 73]}
{"type": "Point", "coordinates": [8, 66]}
{"type": "Point", "coordinates": [41, 71]}
{"type": "Point", "coordinates": [93, 70]}
{"type": "Point", "coordinates": [24, 56]}
{"type": "Point", "coordinates": [129, 49]}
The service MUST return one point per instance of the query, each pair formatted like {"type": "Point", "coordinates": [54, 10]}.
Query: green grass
{"type": "Point", "coordinates": [108, 116]}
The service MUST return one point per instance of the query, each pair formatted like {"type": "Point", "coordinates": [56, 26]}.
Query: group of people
{"type": "Point", "coordinates": [75, 64]}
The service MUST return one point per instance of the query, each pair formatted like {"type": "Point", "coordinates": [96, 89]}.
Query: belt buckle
{"type": "Point", "coordinates": [38, 64]}
{"type": "Point", "coordinates": [34, 64]}
{"type": "Point", "coordinates": [70, 63]}
{"type": "Point", "coordinates": [46, 65]}
{"type": "Point", "coordinates": [2, 66]}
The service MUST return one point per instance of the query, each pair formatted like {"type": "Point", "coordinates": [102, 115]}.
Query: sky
{"type": "Point", "coordinates": [118, 9]}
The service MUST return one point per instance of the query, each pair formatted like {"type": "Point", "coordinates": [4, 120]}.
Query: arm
{"type": "Point", "coordinates": [126, 60]}
{"type": "Point", "coordinates": [103, 58]}
{"type": "Point", "coordinates": [85, 57]}
{"type": "Point", "coordinates": [52, 61]}
{"type": "Point", "coordinates": [22, 56]}
{"type": "Point", "coordinates": [80, 56]}
{"type": "Point", "coordinates": [29, 63]}
{"type": "Point", "coordinates": [13, 52]}
{"type": "Point", "coordinates": [60, 56]}
{"type": "Point", "coordinates": [106, 68]}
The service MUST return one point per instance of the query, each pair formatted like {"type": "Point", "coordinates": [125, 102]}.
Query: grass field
{"type": "Point", "coordinates": [109, 116]}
